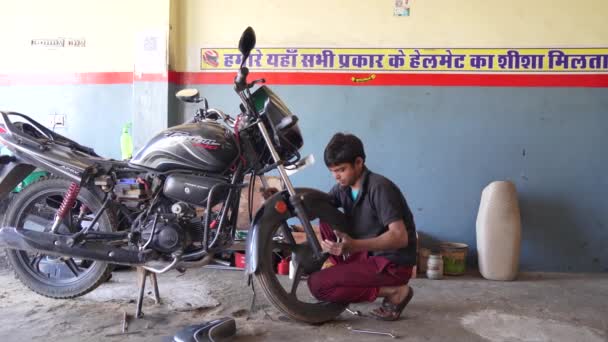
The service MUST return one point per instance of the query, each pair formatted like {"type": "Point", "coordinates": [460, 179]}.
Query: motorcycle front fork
{"type": "Point", "coordinates": [295, 200]}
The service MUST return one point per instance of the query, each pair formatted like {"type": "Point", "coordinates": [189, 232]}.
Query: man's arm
{"type": "Point", "coordinates": [394, 238]}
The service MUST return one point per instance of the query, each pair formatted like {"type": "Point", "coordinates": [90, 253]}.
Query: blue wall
{"type": "Point", "coordinates": [94, 114]}
{"type": "Point", "coordinates": [150, 111]}
{"type": "Point", "coordinates": [443, 145]}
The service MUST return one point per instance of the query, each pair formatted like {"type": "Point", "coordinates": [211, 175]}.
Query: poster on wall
{"type": "Point", "coordinates": [477, 60]}
{"type": "Point", "coordinates": [151, 51]}
{"type": "Point", "coordinates": [392, 66]}
{"type": "Point", "coordinates": [402, 8]}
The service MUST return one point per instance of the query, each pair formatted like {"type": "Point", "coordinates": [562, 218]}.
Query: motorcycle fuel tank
{"type": "Point", "coordinates": [204, 146]}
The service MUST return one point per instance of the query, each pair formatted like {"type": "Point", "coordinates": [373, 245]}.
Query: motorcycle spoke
{"type": "Point", "coordinates": [287, 234]}
{"type": "Point", "coordinates": [73, 267]}
{"type": "Point", "coordinates": [284, 246]}
{"type": "Point", "coordinates": [35, 262]}
{"type": "Point", "coordinates": [296, 280]}
{"type": "Point", "coordinates": [43, 210]}
{"type": "Point", "coordinates": [51, 199]}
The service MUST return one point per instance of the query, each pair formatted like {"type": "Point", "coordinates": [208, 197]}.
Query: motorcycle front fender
{"type": "Point", "coordinates": [317, 204]}
{"type": "Point", "coordinates": [11, 174]}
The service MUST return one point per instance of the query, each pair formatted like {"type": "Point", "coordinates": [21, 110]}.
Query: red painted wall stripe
{"type": "Point", "coordinates": [315, 78]}
{"type": "Point", "coordinates": [66, 78]}
{"type": "Point", "coordinates": [403, 79]}
{"type": "Point", "coordinates": [78, 78]}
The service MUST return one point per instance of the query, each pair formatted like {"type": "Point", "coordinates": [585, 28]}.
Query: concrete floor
{"type": "Point", "coordinates": [536, 307]}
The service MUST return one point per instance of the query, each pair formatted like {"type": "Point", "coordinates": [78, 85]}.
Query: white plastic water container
{"type": "Point", "coordinates": [499, 231]}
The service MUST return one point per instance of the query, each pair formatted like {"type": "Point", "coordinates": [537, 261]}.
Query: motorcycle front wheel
{"type": "Point", "coordinates": [291, 296]}
{"type": "Point", "coordinates": [52, 276]}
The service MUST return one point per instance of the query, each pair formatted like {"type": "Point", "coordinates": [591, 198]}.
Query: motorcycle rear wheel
{"type": "Point", "coordinates": [295, 302]}
{"type": "Point", "coordinates": [51, 276]}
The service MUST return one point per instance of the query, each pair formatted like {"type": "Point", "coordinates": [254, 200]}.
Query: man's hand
{"type": "Point", "coordinates": [344, 244]}
{"type": "Point", "coordinates": [396, 237]}
{"type": "Point", "coordinates": [331, 247]}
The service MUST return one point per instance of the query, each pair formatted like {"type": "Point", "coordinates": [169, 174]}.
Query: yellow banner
{"type": "Point", "coordinates": [554, 60]}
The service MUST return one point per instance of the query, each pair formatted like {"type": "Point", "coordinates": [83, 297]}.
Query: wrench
{"type": "Point", "coordinates": [354, 312]}
{"type": "Point", "coordinates": [372, 332]}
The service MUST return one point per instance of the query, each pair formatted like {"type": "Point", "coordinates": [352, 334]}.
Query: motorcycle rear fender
{"type": "Point", "coordinates": [318, 204]}
{"type": "Point", "coordinates": [12, 174]}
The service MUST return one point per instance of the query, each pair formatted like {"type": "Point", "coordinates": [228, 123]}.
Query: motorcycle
{"type": "Point", "coordinates": [172, 206]}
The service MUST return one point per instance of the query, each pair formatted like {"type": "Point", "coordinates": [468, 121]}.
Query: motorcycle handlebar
{"type": "Point", "coordinates": [242, 88]}
{"type": "Point", "coordinates": [229, 120]}
{"type": "Point", "coordinates": [240, 81]}
{"type": "Point", "coordinates": [218, 114]}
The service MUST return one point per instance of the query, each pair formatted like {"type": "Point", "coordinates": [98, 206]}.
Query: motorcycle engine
{"type": "Point", "coordinates": [168, 235]}
{"type": "Point", "coordinates": [179, 228]}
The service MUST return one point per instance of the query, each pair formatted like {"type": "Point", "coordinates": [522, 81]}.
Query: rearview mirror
{"type": "Point", "coordinates": [247, 43]}
{"type": "Point", "coordinates": [188, 95]}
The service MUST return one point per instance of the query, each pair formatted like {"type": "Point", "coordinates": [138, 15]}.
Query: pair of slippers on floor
{"type": "Point", "coordinates": [389, 311]}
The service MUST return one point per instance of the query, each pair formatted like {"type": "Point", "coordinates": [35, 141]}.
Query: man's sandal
{"type": "Point", "coordinates": [391, 312]}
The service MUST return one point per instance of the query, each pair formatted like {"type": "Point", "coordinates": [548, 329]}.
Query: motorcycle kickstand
{"type": "Point", "coordinates": [142, 274]}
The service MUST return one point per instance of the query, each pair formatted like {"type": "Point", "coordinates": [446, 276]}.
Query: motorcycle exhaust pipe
{"type": "Point", "coordinates": [62, 245]}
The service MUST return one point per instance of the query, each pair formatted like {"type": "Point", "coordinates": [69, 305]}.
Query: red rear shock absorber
{"type": "Point", "coordinates": [68, 202]}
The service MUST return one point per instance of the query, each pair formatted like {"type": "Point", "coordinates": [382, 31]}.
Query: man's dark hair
{"type": "Point", "coordinates": [343, 148]}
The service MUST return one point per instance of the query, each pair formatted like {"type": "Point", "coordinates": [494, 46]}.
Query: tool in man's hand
{"type": "Point", "coordinates": [354, 312]}
{"type": "Point", "coordinates": [371, 332]}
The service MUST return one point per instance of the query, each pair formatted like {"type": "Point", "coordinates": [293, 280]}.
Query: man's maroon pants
{"type": "Point", "coordinates": [356, 279]}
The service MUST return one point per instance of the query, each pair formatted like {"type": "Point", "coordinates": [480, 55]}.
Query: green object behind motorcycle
{"type": "Point", "coordinates": [34, 176]}
{"type": "Point", "coordinates": [126, 142]}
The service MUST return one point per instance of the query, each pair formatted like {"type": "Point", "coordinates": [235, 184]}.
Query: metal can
{"type": "Point", "coordinates": [435, 267]}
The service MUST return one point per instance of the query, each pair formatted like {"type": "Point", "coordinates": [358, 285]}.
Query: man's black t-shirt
{"type": "Point", "coordinates": [378, 203]}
